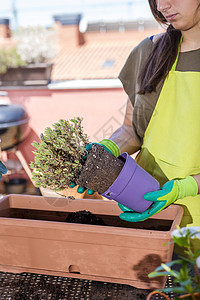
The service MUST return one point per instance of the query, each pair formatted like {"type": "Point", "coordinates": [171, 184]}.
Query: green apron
{"type": "Point", "coordinates": [171, 146]}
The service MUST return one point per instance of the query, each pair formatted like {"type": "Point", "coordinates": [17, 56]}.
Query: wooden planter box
{"type": "Point", "coordinates": [34, 238]}
{"type": "Point", "coordinates": [32, 74]}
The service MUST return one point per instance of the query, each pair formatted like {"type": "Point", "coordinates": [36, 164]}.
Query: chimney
{"type": "Point", "coordinates": [4, 28]}
{"type": "Point", "coordinates": [67, 26]}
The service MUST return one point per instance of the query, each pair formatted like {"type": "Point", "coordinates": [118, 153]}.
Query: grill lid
{"type": "Point", "coordinates": [12, 115]}
{"type": "Point", "coordinates": [14, 127]}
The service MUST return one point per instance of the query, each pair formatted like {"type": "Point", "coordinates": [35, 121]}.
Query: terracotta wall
{"type": "Point", "coordinates": [102, 110]}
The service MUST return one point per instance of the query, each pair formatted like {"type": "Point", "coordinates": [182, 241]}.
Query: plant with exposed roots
{"type": "Point", "coordinates": [60, 155]}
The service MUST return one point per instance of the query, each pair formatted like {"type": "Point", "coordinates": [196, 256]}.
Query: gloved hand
{"type": "Point", "coordinates": [170, 192]}
{"type": "Point", "coordinates": [3, 169]}
{"type": "Point", "coordinates": [109, 146]}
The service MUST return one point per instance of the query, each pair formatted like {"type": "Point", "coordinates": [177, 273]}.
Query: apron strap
{"type": "Point", "coordinates": [175, 63]}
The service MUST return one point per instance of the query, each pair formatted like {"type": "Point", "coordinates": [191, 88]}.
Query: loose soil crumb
{"type": "Point", "coordinates": [84, 217]}
{"type": "Point", "coordinates": [71, 197]}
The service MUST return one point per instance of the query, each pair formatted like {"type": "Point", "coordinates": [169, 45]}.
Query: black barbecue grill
{"type": "Point", "coordinates": [14, 126]}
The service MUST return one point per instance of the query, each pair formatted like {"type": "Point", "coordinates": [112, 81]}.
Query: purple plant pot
{"type": "Point", "coordinates": [131, 185]}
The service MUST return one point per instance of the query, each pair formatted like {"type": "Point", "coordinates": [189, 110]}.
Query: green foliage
{"type": "Point", "coordinates": [186, 283]}
{"type": "Point", "coordinates": [34, 45]}
{"type": "Point", "coordinates": [60, 155]}
{"type": "Point", "coordinates": [9, 58]}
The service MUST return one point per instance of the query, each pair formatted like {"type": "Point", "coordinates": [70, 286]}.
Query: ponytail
{"type": "Point", "coordinates": [160, 61]}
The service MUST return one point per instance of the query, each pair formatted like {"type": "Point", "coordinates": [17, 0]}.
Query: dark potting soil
{"type": "Point", "coordinates": [84, 217]}
{"type": "Point", "coordinates": [100, 170]}
{"type": "Point", "coordinates": [76, 217]}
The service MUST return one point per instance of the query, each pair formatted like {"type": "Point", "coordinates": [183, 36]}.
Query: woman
{"type": "Point", "coordinates": [162, 79]}
{"type": "Point", "coordinates": [164, 102]}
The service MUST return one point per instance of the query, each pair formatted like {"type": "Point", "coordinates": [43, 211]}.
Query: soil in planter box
{"type": "Point", "coordinates": [100, 170]}
{"type": "Point", "coordinates": [86, 217]}
{"type": "Point", "coordinates": [108, 220]}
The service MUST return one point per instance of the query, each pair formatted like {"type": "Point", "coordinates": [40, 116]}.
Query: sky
{"type": "Point", "coordinates": [23, 13]}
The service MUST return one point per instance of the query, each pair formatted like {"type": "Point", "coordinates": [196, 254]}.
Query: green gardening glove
{"type": "Point", "coordinates": [170, 192]}
{"type": "Point", "coordinates": [109, 146]}
{"type": "Point", "coordinates": [3, 169]}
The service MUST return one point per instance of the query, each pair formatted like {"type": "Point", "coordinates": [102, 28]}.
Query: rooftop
{"type": "Point", "coordinates": [90, 51]}
{"type": "Point", "coordinates": [104, 51]}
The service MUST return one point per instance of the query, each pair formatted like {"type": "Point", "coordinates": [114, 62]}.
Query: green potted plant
{"type": "Point", "coordinates": [187, 277]}
{"type": "Point", "coordinates": [29, 62]}
{"type": "Point", "coordinates": [10, 58]}
{"type": "Point", "coordinates": [60, 159]}
{"type": "Point", "coordinates": [59, 155]}
{"type": "Point", "coordinates": [63, 157]}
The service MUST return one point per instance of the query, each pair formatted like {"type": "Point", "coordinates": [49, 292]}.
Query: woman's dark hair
{"type": "Point", "coordinates": [162, 57]}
